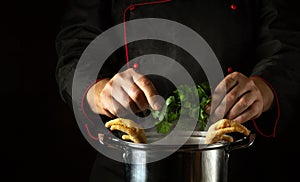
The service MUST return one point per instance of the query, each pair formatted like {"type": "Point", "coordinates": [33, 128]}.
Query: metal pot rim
{"type": "Point", "coordinates": [194, 142]}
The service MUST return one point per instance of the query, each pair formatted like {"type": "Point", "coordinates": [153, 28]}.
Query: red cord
{"type": "Point", "coordinates": [89, 133]}
{"type": "Point", "coordinates": [278, 111]}
{"type": "Point", "coordinates": [132, 7]}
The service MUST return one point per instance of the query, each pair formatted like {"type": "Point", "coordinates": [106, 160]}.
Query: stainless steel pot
{"type": "Point", "coordinates": [192, 162]}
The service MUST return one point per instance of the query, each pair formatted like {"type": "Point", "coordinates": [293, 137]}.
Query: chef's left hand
{"type": "Point", "coordinates": [240, 98]}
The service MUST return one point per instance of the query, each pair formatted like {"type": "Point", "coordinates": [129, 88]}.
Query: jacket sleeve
{"type": "Point", "coordinates": [82, 22]}
{"type": "Point", "coordinates": [279, 65]}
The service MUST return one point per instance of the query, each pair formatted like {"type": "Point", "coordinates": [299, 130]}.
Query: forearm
{"type": "Point", "coordinates": [279, 61]}
{"type": "Point", "coordinates": [81, 24]}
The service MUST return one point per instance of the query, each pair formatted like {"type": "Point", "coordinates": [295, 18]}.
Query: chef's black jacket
{"type": "Point", "coordinates": [254, 37]}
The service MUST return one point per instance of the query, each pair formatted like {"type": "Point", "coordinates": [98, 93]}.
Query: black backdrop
{"type": "Point", "coordinates": [39, 136]}
{"type": "Point", "coordinates": [40, 140]}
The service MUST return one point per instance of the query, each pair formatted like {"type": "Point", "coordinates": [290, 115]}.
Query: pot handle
{"type": "Point", "coordinates": [111, 142]}
{"type": "Point", "coordinates": [241, 143]}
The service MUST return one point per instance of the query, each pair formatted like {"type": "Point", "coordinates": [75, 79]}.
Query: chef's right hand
{"type": "Point", "coordinates": [127, 92]}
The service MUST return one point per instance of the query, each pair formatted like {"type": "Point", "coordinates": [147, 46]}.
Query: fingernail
{"type": "Point", "coordinates": [157, 106]}
{"type": "Point", "coordinates": [158, 102]}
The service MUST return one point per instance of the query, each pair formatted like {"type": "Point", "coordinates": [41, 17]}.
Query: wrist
{"type": "Point", "coordinates": [93, 95]}
{"type": "Point", "coordinates": [266, 92]}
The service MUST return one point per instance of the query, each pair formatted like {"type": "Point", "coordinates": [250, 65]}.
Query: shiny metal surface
{"type": "Point", "coordinates": [192, 162]}
{"type": "Point", "coordinates": [194, 142]}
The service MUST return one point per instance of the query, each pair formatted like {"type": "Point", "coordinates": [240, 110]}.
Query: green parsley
{"type": "Point", "coordinates": [182, 102]}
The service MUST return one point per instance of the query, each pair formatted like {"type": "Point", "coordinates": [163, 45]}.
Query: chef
{"type": "Point", "coordinates": [253, 47]}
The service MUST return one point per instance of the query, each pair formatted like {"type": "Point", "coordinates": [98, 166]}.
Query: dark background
{"type": "Point", "coordinates": [40, 140]}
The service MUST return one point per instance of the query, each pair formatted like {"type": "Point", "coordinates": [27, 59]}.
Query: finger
{"type": "Point", "coordinates": [241, 105]}
{"type": "Point", "coordinates": [231, 99]}
{"type": "Point", "coordinates": [116, 108]}
{"type": "Point", "coordinates": [237, 85]}
{"type": "Point", "coordinates": [149, 90]}
{"type": "Point", "coordinates": [251, 113]}
{"type": "Point", "coordinates": [222, 88]}
{"type": "Point", "coordinates": [131, 96]}
{"type": "Point", "coordinates": [137, 96]}
{"type": "Point", "coordinates": [122, 87]}
{"type": "Point", "coordinates": [208, 108]}
{"type": "Point", "coordinates": [108, 113]}
{"type": "Point", "coordinates": [122, 97]}
{"type": "Point", "coordinates": [103, 107]}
